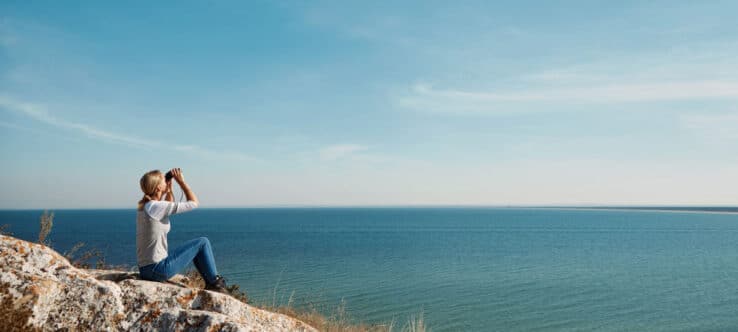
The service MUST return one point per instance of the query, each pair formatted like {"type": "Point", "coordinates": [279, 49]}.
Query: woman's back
{"type": "Point", "coordinates": [152, 227]}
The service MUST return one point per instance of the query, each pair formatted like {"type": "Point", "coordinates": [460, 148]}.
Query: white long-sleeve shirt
{"type": "Point", "coordinates": [152, 226]}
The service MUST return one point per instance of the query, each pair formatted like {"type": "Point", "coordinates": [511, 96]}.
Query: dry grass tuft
{"type": "Point", "coordinates": [193, 279]}
{"type": "Point", "coordinates": [4, 230]}
{"type": "Point", "coordinates": [47, 221]}
{"type": "Point", "coordinates": [416, 323]}
{"type": "Point", "coordinates": [235, 291]}
{"type": "Point", "coordinates": [83, 261]}
{"type": "Point", "coordinates": [338, 319]}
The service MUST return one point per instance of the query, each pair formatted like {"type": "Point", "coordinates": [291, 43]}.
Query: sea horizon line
{"type": "Point", "coordinates": [649, 207]}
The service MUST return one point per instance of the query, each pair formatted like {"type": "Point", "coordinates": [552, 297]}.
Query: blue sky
{"type": "Point", "coordinates": [280, 103]}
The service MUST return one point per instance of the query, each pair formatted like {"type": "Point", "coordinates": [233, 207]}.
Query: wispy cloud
{"type": "Point", "coordinates": [423, 97]}
{"type": "Point", "coordinates": [712, 126]}
{"type": "Point", "coordinates": [339, 151]}
{"type": "Point", "coordinates": [40, 113]}
{"type": "Point", "coordinates": [37, 132]}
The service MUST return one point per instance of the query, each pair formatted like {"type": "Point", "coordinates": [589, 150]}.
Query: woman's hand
{"type": "Point", "coordinates": [177, 175]}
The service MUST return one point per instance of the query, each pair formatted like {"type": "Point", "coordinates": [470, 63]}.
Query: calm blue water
{"type": "Point", "coordinates": [465, 268]}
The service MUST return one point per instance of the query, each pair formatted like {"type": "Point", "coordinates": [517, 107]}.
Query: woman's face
{"type": "Point", "coordinates": [162, 187]}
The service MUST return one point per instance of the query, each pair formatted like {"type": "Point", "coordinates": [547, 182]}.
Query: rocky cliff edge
{"type": "Point", "coordinates": [40, 290]}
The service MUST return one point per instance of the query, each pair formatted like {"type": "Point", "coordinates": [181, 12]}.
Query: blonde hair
{"type": "Point", "coordinates": [149, 182]}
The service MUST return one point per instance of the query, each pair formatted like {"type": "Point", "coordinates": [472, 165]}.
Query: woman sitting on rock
{"type": "Point", "coordinates": [152, 226]}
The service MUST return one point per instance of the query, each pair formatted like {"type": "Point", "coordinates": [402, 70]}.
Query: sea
{"type": "Point", "coordinates": [459, 268]}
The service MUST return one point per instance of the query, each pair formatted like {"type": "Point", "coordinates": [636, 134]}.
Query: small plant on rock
{"type": "Point", "coordinates": [4, 230]}
{"type": "Point", "coordinates": [193, 279]}
{"type": "Point", "coordinates": [83, 261]}
{"type": "Point", "coordinates": [47, 221]}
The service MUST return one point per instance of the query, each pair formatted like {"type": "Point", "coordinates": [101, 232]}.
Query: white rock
{"type": "Point", "coordinates": [41, 290]}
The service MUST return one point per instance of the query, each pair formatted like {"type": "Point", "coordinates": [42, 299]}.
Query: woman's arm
{"type": "Point", "coordinates": [177, 175]}
{"type": "Point", "coordinates": [189, 193]}
{"type": "Point", "coordinates": [170, 192]}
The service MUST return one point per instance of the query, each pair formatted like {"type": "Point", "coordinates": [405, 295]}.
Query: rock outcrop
{"type": "Point", "coordinates": [40, 290]}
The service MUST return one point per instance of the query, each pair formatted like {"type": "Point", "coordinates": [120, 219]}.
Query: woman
{"type": "Point", "coordinates": [152, 226]}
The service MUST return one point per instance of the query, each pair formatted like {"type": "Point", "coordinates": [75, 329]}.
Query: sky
{"type": "Point", "coordinates": [315, 103]}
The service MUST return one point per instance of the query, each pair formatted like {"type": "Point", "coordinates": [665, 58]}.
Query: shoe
{"type": "Point", "coordinates": [218, 286]}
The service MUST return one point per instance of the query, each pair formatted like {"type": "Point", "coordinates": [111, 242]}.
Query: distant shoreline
{"type": "Point", "coordinates": [675, 209]}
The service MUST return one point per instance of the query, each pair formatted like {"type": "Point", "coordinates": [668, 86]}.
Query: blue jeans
{"type": "Point", "coordinates": [197, 251]}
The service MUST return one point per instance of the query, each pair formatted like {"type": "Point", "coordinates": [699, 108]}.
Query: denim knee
{"type": "Point", "coordinates": [204, 241]}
